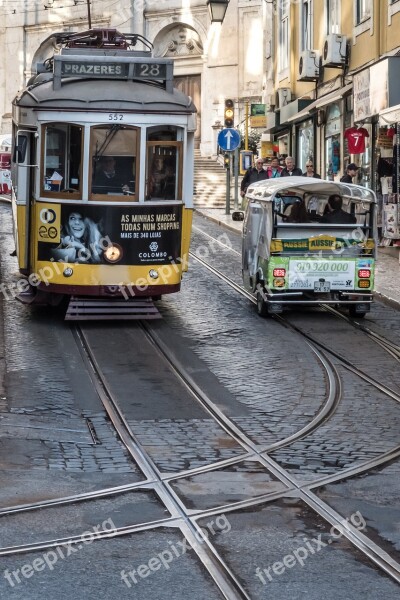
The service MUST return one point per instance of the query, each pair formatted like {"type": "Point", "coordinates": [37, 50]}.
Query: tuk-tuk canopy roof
{"type": "Point", "coordinates": [268, 189]}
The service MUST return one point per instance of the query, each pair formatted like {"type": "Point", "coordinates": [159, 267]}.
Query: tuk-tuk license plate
{"type": "Point", "coordinates": [322, 286]}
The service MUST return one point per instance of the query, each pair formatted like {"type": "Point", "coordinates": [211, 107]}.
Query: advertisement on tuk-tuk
{"type": "Point", "coordinates": [321, 275]}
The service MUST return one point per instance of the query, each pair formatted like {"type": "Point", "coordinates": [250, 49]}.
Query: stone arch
{"type": "Point", "coordinates": [47, 48]}
{"type": "Point", "coordinates": [178, 39]}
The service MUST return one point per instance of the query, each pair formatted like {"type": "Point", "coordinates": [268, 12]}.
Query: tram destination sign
{"type": "Point", "coordinates": [97, 70]}
{"type": "Point", "coordinates": [111, 67]}
{"type": "Point", "coordinates": [105, 69]}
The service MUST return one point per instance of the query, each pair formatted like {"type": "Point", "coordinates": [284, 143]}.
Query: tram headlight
{"type": "Point", "coordinates": [113, 253]}
{"type": "Point", "coordinates": [68, 272]}
{"type": "Point", "coordinates": [153, 274]}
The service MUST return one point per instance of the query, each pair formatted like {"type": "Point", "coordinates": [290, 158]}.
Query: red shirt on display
{"type": "Point", "coordinates": [356, 139]}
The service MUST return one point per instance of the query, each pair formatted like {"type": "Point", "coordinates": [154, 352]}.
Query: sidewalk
{"type": "Point", "coordinates": [387, 274]}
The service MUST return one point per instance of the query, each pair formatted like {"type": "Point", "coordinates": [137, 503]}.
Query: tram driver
{"type": "Point", "coordinates": [108, 180]}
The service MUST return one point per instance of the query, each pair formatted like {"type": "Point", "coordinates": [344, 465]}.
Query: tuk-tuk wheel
{"type": "Point", "coordinates": [262, 306]}
{"type": "Point", "coordinates": [353, 312]}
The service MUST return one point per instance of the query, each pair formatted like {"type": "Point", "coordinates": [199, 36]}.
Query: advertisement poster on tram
{"type": "Point", "coordinates": [81, 233]}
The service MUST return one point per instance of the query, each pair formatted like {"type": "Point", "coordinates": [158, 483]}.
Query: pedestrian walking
{"type": "Point", "coordinates": [252, 175]}
{"type": "Point", "coordinates": [351, 172]}
{"type": "Point", "coordinates": [290, 170]}
{"type": "Point", "coordinates": [274, 170]}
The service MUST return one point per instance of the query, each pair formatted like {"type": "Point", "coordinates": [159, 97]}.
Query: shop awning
{"type": "Point", "coordinates": [390, 115]}
{"type": "Point", "coordinates": [320, 102]}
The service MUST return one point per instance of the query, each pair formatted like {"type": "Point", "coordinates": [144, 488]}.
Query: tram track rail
{"type": "Point", "coordinates": [219, 571]}
{"type": "Point", "coordinates": [387, 345]}
{"type": "Point", "coordinates": [392, 348]}
{"type": "Point", "coordinates": [364, 544]}
{"type": "Point", "coordinates": [186, 520]}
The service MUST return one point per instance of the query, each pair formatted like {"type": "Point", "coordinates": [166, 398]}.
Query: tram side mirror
{"type": "Point", "coordinates": [20, 149]}
{"type": "Point", "coordinates": [238, 215]}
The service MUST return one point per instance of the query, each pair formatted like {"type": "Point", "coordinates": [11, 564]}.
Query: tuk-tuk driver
{"type": "Point", "coordinates": [336, 214]}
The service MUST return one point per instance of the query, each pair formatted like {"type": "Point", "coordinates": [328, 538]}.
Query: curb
{"type": "Point", "coordinates": [217, 220]}
{"type": "Point", "coordinates": [387, 300]}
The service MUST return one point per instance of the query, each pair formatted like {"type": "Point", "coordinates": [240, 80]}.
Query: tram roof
{"type": "Point", "coordinates": [115, 95]}
{"type": "Point", "coordinates": [269, 188]}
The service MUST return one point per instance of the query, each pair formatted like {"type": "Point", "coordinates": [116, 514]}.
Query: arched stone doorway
{"type": "Point", "coordinates": [183, 44]}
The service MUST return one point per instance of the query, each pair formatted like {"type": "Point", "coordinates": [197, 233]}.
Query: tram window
{"type": "Point", "coordinates": [163, 134]}
{"type": "Point", "coordinates": [163, 171]}
{"type": "Point", "coordinates": [62, 158]}
{"type": "Point", "coordinates": [113, 161]}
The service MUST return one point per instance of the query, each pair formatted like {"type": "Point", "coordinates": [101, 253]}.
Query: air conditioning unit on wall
{"type": "Point", "coordinates": [309, 66]}
{"type": "Point", "coordinates": [335, 51]}
{"type": "Point", "coordinates": [283, 96]}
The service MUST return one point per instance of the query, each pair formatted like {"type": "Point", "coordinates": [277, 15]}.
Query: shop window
{"type": "Point", "coordinates": [164, 164]}
{"type": "Point", "coordinates": [62, 166]}
{"type": "Point", "coordinates": [333, 150]}
{"type": "Point", "coordinates": [332, 153]}
{"type": "Point", "coordinates": [113, 153]}
{"type": "Point", "coordinates": [305, 144]}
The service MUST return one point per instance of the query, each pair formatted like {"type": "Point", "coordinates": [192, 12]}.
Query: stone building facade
{"type": "Point", "coordinates": [213, 61]}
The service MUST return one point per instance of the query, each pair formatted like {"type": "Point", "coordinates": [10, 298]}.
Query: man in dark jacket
{"type": "Point", "coordinates": [252, 175]}
{"type": "Point", "coordinates": [290, 170]}
{"type": "Point", "coordinates": [107, 180]}
{"type": "Point", "coordinates": [336, 214]}
{"type": "Point", "coordinates": [350, 173]}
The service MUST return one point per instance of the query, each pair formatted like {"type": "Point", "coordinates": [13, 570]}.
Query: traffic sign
{"type": "Point", "coordinates": [229, 139]}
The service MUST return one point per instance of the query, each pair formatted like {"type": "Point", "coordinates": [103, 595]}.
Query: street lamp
{"type": "Point", "coordinates": [217, 9]}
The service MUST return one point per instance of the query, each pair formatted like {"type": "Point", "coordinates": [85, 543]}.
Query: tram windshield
{"type": "Point", "coordinates": [114, 162]}
{"type": "Point", "coordinates": [113, 151]}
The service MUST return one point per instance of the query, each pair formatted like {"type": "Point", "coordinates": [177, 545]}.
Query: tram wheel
{"type": "Point", "coordinates": [262, 306]}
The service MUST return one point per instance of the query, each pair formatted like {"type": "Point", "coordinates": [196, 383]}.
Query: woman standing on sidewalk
{"type": "Point", "coordinates": [309, 172]}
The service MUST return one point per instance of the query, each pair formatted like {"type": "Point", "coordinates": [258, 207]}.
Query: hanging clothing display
{"type": "Point", "coordinates": [396, 152]}
{"type": "Point", "coordinates": [356, 139]}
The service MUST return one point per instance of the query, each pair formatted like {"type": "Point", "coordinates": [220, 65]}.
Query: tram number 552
{"type": "Point", "coordinates": [115, 117]}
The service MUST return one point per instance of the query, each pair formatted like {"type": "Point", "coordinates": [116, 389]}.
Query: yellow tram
{"type": "Point", "coordinates": [102, 174]}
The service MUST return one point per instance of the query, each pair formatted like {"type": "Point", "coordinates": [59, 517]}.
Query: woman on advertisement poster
{"type": "Point", "coordinates": [80, 240]}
